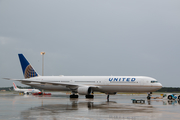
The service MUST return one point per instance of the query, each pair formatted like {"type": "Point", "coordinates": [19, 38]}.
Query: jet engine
{"type": "Point", "coordinates": [84, 90]}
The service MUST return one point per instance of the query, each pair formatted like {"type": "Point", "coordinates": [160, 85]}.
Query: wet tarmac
{"type": "Point", "coordinates": [59, 106]}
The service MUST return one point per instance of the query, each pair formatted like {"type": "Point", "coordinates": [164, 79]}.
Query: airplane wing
{"type": "Point", "coordinates": [70, 85]}
{"type": "Point", "coordinates": [12, 79]}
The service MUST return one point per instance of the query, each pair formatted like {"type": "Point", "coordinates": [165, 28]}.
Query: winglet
{"type": "Point", "coordinates": [27, 69]}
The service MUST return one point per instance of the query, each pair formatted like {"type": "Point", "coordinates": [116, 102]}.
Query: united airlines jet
{"type": "Point", "coordinates": [86, 85]}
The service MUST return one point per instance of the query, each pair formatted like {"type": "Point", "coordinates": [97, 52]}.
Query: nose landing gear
{"type": "Point", "coordinates": [149, 96]}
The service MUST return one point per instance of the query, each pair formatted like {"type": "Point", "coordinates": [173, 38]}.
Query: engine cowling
{"type": "Point", "coordinates": [84, 90]}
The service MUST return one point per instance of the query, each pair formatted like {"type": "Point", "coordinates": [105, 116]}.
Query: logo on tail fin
{"type": "Point", "coordinates": [14, 86]}
{"type": "Point", "coordinates": [29, 72]}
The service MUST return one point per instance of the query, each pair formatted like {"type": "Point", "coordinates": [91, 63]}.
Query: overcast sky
{"type": "Point", "coordinates": [94, 37]}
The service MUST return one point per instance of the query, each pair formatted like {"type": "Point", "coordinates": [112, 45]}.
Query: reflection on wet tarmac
{"type": "Point", "coordinates": [59, 107]}
{"type": "Point", "coordinates": [171, 102]}
{"type": "Point", "coordinates": [104, 109]}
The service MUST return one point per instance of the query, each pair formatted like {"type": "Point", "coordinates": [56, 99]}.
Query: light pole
{"type": "Point", "coordinates": [42, 53]}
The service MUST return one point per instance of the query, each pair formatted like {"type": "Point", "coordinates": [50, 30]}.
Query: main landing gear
{"type": "Point", "coordinates": [73, 96]}
{"type": "Point", "coordinates": [149, 96]}
{"type": "Point", "coordinates": [89, 96]}
{"type": "Point", "coordinates": [76, 96]}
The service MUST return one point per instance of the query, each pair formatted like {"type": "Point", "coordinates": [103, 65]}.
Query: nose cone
{"type": "Point", "coordinates": [157, 86]}
{"type": "Point", "coordinates": [160, 85]}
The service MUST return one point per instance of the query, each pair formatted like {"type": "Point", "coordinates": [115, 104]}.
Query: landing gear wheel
{"type": "Point", "coordinates": [179, 97]}
{"type": "Point", "coordinates": [170, 97]}
{"type": "Point", "coordinates": [89, 96]}
{"type": "Point", "coordinates": [73, 96]}
{"type": "Point", "coordinates": [148, 97]}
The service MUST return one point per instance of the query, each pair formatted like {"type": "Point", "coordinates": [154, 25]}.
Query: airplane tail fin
{"type": "Point", "coordinates": [28, 70]}
{"type": "Point", "coordinates": [14, 86]}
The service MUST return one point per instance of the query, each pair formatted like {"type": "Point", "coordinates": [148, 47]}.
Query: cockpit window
{"type": "Point", "coordinates": [154, 81]}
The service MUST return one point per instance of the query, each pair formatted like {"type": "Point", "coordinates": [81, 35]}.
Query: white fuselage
{"type": "Point", "coordinates": [27, 90]}
{"type": "Point", "coordinates": [106, 84]}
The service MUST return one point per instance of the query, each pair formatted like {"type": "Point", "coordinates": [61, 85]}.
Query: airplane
{"type": "Point", "coordinates": [87, 85]}
{"type": "Point", "coordinates": [25, 91]}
